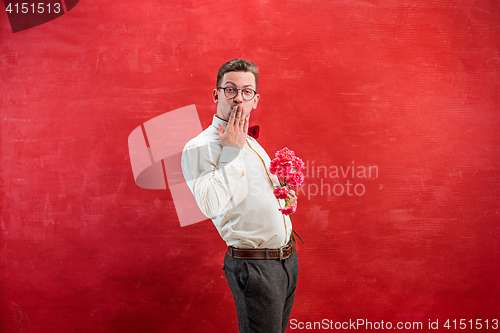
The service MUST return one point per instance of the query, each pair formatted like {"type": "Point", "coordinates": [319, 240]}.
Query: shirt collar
{"type": "Point", "coordinates": [216, 121]}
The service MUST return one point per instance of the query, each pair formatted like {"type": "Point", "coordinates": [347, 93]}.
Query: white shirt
{"type": "Point", "coordinates": [234, 188]}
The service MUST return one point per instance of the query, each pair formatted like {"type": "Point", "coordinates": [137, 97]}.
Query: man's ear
{"type": "Point", "coordinates": [215, 96]}
{"type": "Point", "coordinates": [256, 101]}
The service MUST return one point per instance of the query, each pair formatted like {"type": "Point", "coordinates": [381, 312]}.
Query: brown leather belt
{"type": "Point", "coordinates": [281, 253]}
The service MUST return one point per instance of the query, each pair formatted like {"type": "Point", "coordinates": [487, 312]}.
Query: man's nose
{"type": "Point", "coordinates": [239, 96]}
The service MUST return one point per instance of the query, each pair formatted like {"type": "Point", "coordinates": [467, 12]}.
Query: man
{"type": "Point", "coordinates": [228, 173]}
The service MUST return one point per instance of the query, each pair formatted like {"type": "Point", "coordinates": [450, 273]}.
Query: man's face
{"type": "Point", "coordinates": [238, 80]}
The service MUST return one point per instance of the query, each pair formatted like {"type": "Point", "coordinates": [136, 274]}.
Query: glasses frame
{"type": "Point", "coordinates": [238, 91]}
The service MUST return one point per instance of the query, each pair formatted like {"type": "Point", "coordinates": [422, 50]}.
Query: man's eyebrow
{"type": "Point", "coordinates": [234, 84]}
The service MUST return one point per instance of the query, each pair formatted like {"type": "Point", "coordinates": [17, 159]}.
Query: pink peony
{"type": "Point", "coordinates": [295, 179]}
{"type": "Point", "coordinates": [285, 154]}
{"type": "Point", "coordinates": [288, 210]}
{"type": "Point", "coordinates": [280, 168]}
{"type": "Point", "coordinates": [281, 192]}
{"type": "Point", "coordinates": [298, 164]}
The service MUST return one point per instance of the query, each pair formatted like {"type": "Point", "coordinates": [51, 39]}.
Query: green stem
{"type": "Point", "coordinates": [293, 231]}
{"type": "Point", "coordinates": [290, 217]}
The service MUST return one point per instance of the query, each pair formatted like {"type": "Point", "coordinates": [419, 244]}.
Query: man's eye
{"type": "Point", "coordinates": [230, 90]}
{"type": "Point", "coordinates": [247, 91]}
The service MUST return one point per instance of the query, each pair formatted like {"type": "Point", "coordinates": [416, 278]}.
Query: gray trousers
{"type": "Point", "coordinates": [263, 292]}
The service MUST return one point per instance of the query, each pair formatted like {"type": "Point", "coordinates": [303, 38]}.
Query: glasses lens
{"type": "Point", "coordinates": [248, 94]}
{"type": "Point", "coordinates": [230, 92]}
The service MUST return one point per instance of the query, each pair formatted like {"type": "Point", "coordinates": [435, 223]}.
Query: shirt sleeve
{"type": "Point", "coordinates": [215, 176]}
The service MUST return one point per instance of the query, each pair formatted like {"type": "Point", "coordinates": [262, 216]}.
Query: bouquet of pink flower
{"type": "Point", "coordinates": [288, 168]}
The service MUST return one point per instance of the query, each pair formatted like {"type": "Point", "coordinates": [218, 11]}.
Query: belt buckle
{"type": "Point", "coordinates": [281, 253]}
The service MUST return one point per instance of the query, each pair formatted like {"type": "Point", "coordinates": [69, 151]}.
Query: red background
{"type": "Point", "coordinates": [410, 87]}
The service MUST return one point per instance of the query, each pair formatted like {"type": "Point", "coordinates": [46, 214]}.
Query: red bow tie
{"type": "Point", "coordinates": [253, 131]}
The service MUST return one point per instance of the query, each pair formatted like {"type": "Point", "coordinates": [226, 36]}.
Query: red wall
{"type": "Point", "coordinates": [410, 89]}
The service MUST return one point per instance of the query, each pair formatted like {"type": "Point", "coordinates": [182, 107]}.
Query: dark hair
{"type": "Point", "coordinates": [238, 65]}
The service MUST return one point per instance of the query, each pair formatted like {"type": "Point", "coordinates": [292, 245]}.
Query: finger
{"type": "Point", "coordinates": [238, 114]}
{"type": "Point", "coordinates": [292, 193]}
{"type": "Point", "coordinates": [242, 121]}
{"type": "Point", "coordinates": [221, 130]}
{"type": "Point", "coordinates": [237, 117]}
{"type": "Point", "coordinates": [245, 127]}
{"type": "Point", "coordinates": [242, 118]}
{"type": "Point", "coordinates": [232, 116]}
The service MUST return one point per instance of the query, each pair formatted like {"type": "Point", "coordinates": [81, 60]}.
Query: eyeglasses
{"type": "Point", "coordinates": [231, 92]}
